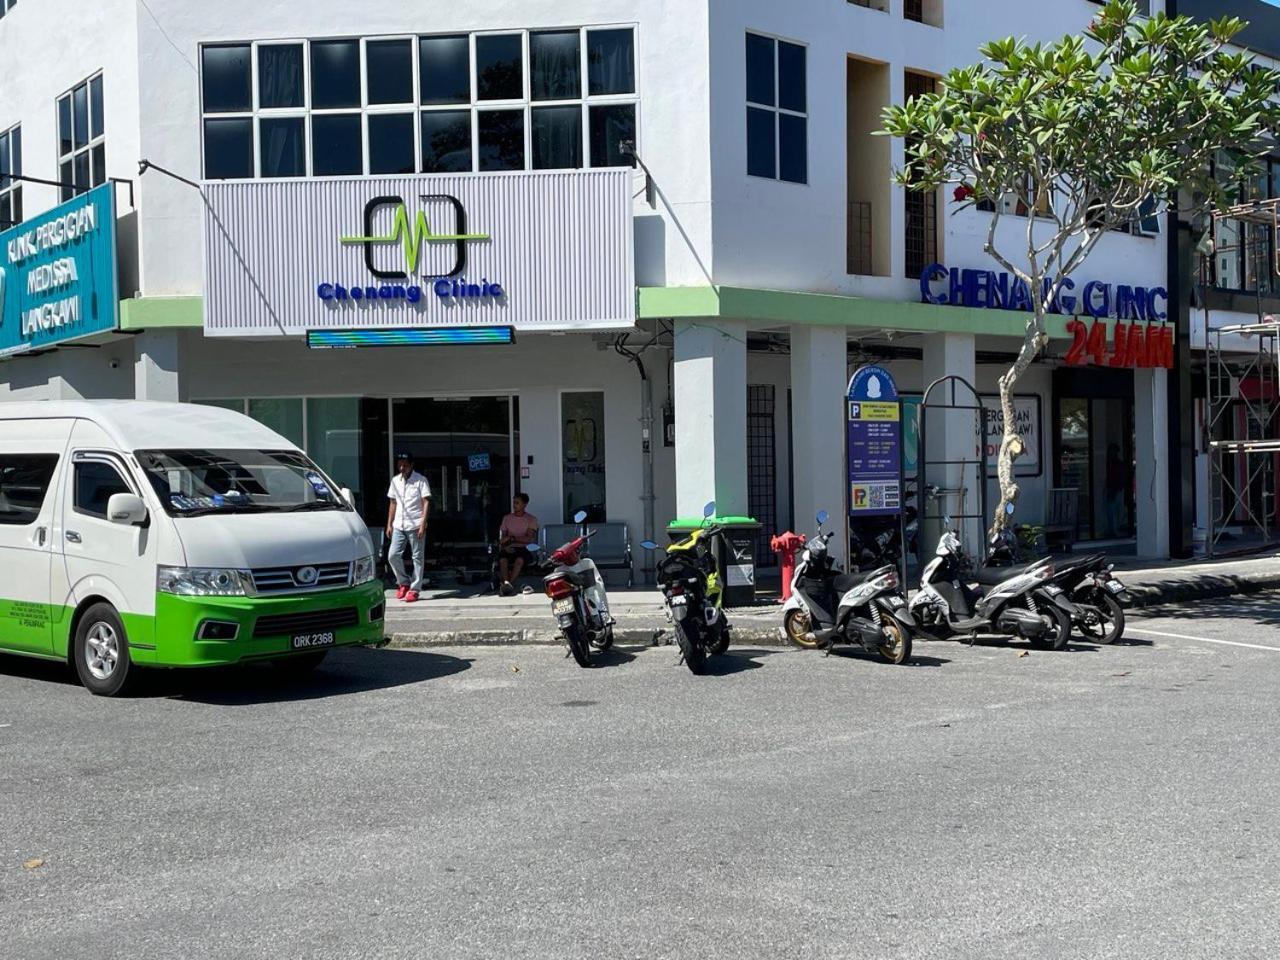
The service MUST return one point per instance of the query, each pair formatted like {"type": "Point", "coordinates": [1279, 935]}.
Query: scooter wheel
{"type": "Point", "coordinates": [897, 646]}
{"type": "Point", "coordinates": [798, 627]}
{"type": "Point", "coordinates": [1057, 637]}
{"type": "Point", "coordinates": [1109, 626]}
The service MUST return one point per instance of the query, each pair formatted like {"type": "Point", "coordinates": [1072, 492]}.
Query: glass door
{"type": "Point", "coordinates": [464, 447]}
{"type": "Point", "coordinates": [1095, 456]}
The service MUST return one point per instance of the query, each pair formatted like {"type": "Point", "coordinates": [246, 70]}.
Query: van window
{"type": "Point", "coordinates": [24, 481]}
{"type": "Point", "coordinates": [95, 482]}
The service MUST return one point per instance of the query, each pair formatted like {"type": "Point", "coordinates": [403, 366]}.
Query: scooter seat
{"type": "Point", "coordinates": [990, 576]}
{"type": "Point", "coordinates": [847, 581]}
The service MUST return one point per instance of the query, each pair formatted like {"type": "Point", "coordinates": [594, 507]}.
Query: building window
{"type": "Point", "coordinates": [777, 110]}
{"type": "Point", "coordinates": [1244, 253]}
{"type": "Point", "coordinates": [922, 205]}
{"type": "Point", "coordinates": [10, 166]}
{"type": "Point", "coordinates": [7, 6]}
{"type": "Point", "coordinates": [82, 150]}
{"type": "Point", "coordinates": [455, 103]}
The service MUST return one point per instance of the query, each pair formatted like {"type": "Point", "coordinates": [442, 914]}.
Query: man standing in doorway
{"type": "Point", "coordinates": [409, 504]}
{"type": "Point", "coordinates": [519, 529]}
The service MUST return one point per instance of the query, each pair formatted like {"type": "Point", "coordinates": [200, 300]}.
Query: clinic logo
{"type": "Point", "coordinates": [413, 234]}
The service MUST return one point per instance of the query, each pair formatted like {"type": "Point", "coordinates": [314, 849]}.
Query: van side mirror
{"type": "Point", "coordinates": [348, 497]}
{"type": "Point", "coordinates": [126, 509]}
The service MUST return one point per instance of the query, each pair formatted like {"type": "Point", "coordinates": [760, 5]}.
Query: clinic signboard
{"type": "Point", "coordinates": [58, 274]}
{"type": "Point", "coordinates": [874, 444]}
{"type": "Point", "coordinates": [528, 251]}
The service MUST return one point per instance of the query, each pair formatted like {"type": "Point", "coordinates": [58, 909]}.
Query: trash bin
{"type": "Point", "coordinates": [735, 553]}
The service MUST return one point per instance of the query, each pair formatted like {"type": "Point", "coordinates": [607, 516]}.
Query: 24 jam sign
{"type": "Point", "coordinates": [1141, 345]}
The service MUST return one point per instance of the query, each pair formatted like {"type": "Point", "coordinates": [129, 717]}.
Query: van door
{"type": "Point", "coordinates": [32, 453]}
{"type": "Point", "coordinates": [101, 558]}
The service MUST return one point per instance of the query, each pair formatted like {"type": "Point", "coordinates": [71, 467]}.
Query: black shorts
{"type": "Point", "coordinates": [513, 553]}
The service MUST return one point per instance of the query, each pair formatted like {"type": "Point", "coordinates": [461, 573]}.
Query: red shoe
{"type": "Point", "coordinates": [411, 596]}
{"type": "Point", "coordinates": [401, 591]}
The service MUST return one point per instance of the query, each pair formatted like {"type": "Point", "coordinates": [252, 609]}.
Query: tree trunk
{"type": "Point", "coordinates": [1011, 446]}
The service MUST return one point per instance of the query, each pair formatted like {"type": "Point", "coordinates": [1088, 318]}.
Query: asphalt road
{"type": "Point", "coordinates": [500, 802]}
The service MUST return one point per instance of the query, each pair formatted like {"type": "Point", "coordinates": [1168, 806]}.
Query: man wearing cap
{"type": "Point", "coordinates": [409, 504]}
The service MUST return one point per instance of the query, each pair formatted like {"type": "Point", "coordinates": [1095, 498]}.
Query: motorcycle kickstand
{"type": "Point", "coordinates": [657, 638]}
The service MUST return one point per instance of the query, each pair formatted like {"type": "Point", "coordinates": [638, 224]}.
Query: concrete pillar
{"type": "Point", "coordinates": [819, 377]}
{"type": "Point", "coordinates": [711, 416]}
{"type": "Point", "coordinates": [157, 368]}
{"type": "Point", "coordinates": [1151, 462]}
{"type": "Point", "coordinates": [62, 388]}
{"type": "Point", "coordinates": [951, 435]}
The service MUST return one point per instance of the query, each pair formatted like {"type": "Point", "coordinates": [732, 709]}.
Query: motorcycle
{"type": "Point", "coordinates": [828, 606]}
{"type": "Point", "coordinates": [947, 605]}
{"type": "Point", "coordinates": [1088, 583]}
{"type": "Point", "coordinates": [693, 596]}
{"type": "Point", "coordinates": [579, 601]}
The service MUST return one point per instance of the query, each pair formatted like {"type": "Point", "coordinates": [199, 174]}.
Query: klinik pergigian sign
{"type": "Point", "coordinates": [58, 274]}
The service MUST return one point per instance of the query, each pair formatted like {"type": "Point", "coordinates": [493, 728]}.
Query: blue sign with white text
{"type": "Point", "coordinates": [874, 443]}
{"type": "Point", "coordinates": [58, 274]}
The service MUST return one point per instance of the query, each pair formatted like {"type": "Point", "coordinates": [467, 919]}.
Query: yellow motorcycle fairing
{"type": "Point", "coordinates": [689, 544]}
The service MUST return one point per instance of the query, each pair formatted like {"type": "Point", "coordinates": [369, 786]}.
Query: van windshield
{"type": "Point", "coordinates": [194, 482]}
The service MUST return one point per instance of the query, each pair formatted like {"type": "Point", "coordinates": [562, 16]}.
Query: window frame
{"type": "Point", "coordinates": [49, 489]}
{"type": "Point", "coordinates": [12, 192]}
{"type": "Point", "coordinates": [99, 456]}
{"type": "Point", "coordinates": [776, 109]}
{"type": "Point", "coordinates": [91, 142]}
{"type": "Point", "coordinates": [416, 108]}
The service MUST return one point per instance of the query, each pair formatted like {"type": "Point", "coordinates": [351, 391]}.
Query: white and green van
{"type": "Point", "coordinates": [162, 534]}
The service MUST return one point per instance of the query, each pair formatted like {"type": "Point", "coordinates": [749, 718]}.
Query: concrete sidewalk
{"type": "Point", "coordinates": [457, 616]}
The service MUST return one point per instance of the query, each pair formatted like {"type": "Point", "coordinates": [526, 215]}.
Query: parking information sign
{"type": "Point", "coordinates": [874, 444]}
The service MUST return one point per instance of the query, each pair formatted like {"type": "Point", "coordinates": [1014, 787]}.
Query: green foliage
{"type": "Point", "coordinates": [1092, 126]}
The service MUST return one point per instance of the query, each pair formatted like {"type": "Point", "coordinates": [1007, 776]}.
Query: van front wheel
{"type": "Point", "coordinates": [101, 652]}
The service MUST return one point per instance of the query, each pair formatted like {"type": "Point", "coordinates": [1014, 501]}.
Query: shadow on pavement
{"type": "Point", "coordinates": [343, 672]}
{"type": "Point", "coordinates": [736, 661]}
{"type": "Point", "coordinates": [29, 668]}
{"type": "Point", "coordinates": [855, 653]}
{"type": "Point", "coordinates": [613, 657]}
{"type": "Point", "coordinates": [1262, 609]}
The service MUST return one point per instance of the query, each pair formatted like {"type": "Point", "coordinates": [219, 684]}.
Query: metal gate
{"type": "Point", "coordinates": [947, 487]}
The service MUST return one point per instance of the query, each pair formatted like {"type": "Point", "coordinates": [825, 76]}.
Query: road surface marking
{"type": "Point", "coordinates": [1184, 636]}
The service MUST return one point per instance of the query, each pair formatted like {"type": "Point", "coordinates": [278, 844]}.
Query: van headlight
{"type": "Point", "coordinates": [203, 581]}
{"type": "Point", "coordinates": [364, 571]}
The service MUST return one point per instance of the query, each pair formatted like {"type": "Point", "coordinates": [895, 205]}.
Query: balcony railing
{"type": "Point", "coordinates": [860, 258]}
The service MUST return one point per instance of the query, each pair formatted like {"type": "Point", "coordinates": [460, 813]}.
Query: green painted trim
{"type": "Point", "coordinates": [829, 310]}
{"type": "Point", "coordinates": [150, 313]}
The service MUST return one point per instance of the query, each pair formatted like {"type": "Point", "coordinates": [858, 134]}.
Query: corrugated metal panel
{"type": "Point", "coordinates": [560, 245]}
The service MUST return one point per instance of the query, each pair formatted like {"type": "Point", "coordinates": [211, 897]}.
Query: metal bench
{"type": "Point", "coordinates": [1062, 525]}
{"type": "Point", "coordinates": [610, 548]}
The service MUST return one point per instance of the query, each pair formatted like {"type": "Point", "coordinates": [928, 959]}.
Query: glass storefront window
{"type": "Point", "coordinates": [583, 455]}
{"type": "Point", "coordinates": [333, 440]}
{"type": "Point", "coordinates": [282, 416]}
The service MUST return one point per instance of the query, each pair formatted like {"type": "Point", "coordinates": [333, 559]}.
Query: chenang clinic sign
{"type": "Point", "coordinates": [58, 274]}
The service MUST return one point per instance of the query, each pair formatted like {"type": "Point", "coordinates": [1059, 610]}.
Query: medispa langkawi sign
{"type": "Point", "coordinates": [58, 274]}
{"type": "Point", "coordinates": [533, 251]}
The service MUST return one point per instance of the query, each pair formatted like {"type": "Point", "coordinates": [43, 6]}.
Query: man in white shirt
{"type": "Point", "coordinates": [409, 504]}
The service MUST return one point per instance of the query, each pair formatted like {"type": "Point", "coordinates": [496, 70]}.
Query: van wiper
{"type": "Point", "coordinates": [313, 505]}
{"type": "Point", "coordinates": [227, 508]}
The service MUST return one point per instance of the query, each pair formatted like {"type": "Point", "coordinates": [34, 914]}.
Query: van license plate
{"type": "Point", "coordinates": [306, 641]}
{"type": "Point", "coordinates": [561, 607]}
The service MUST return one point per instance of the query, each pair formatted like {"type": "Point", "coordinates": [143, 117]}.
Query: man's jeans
{"type": "Point", "coordinates": [417, 545]}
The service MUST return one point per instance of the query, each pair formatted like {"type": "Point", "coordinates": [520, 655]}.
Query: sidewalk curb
{"type": "Point", "coordinates": [752, 632]}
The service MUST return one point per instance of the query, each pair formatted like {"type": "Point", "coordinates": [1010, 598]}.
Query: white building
{"type": "Point", "coordinates": [768, 259]}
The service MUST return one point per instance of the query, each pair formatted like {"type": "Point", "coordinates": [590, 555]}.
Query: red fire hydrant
{"type": "Point", "coordinates": [786, 546]}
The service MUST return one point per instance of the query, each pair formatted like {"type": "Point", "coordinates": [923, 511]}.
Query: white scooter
{"type": "Point", "coordinates": [579, 601]}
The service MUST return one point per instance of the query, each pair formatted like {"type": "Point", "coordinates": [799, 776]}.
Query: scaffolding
{"type": "Point", "coordinates": [1242, 373]}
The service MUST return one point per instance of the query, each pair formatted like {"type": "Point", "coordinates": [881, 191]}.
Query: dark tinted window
{"type": "Point", "coordinates": [762, 147]}
{"type": "Point", "coordinates": [95, 107]}
{"type": "Point", "coordinates": [611, 62]}
{"type": "Point", "coordinates": [280, 75]}
{"type": "Point", "coordinates": [446, 141]}
{"type": "Point", "coordinates": [499, 67]}
{"type": "Point", "coordinates": [225, 77]}
{"type": "Point", "coordinates": [80, 114]}
{"type": "Point", "coordinates": [336, 150]}
{"type": "Point", "coordinates": [610, 126]}
{"type": "Point", "coordinates": [793, 148]}
{"type": "Point", "coordinates": [557, 137]}
{"type": "Point", "coordinates": [228, 148]}
{"type": "Point", "coordinates": [791, 77]}
{"type": "Point", "coordinates": [282, 142]}
{"type": "Point", "coordinates": [391, 143]}
{"type": "Point", "coordinates": [445, 69]}
{"type": "Point", "coordinates": [501, 139]}
{"type": "Point", "coordinates": [555, 66]}
{"type": "Point", "coordinates": [24, 481]}
{"type": "Point", "coordinates": [64, 125]}
{"type": "Point", "coordinates": [389, 65]}
{"type": "Point", "coordinates": [95, 483]}
{"type": "Point", "coordinates": [335, 74]}
{"type": "Point", "coordinates": [760, 70]}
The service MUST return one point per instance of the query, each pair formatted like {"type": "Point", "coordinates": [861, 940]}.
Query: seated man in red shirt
{"type": "Point", "coordinates": [519, 529]}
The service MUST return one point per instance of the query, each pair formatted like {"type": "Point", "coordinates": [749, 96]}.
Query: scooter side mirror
{"type": "Point", "coordinates": [533, 548]}
{"type": "Point", "coordinates": [1008, 509]}
{"type": "Point", "coordinates": [709, 510]}
{"type": "Point", "coordinates": [823, 517]}
{"type": "Point", "coordinates": [580, 517]}
{"type": "Point", "coordinates": [648, 545]}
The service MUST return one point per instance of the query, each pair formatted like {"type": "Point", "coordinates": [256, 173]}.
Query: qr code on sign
{"type": "Point", "coordinates": [875, 498]}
